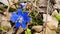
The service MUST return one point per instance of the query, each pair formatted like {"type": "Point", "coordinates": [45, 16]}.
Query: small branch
{"type": "Point", "coordinates": [6, 12]}
{"type": "Point", "coordinates": [20, 30]}
{"type": "Point", "coordinates": [45, 24]}
{"type": "Point", "coordinates": [38, 9]}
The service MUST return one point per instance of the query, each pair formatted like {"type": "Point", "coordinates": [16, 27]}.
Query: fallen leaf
{"type": "Point", "coordinates": [51, 21]}
{"type": "Point", "coordinates": [54, 13]}
{"type": "Point", "coordinates": [37, 28]}
{"type": "Point", "coordinates": [15, 1]}
{"type": "Point", "coordinates": [57, 6]}
{"type": "Point", "coordinates": [41, 3]}
{"type": "Point", "coordinates": [6, 2]}
{"type": "Point", "coordinates": [57, 1]}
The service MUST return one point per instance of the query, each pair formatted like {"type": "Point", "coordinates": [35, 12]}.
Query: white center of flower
{"type": "Point", "coordinates": [20, 19]}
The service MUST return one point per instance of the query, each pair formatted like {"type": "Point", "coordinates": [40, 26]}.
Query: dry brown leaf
{"type": "Point", "coordinates": [57, 1]}
{"type": "Point", "coordinates": [38, 33]}
{"type": "Point", "coordinates": [11, 31]}
{"type": "Point", "coordinates": [51, 21]}
{"type": "Point", "coordinates": [15, 1]}
{"type": "Point", "coordinates": [4, 2]}
{"type": "Point", "coordinates": [41, 3]}
{"type": "Point", "coordinates": [8, 2]}
{"type": "Point", "coordinates": [5, 23]}
{"type": "Point", "coordinates": [54, 13]}
{"type": "Point", "coordinates": [51, 24]}
{"type": "Point", "coordinates": [37, 28]}
{"type": "Point", "coordinates": [49, 31]}
{"type": "Point", "coordinates": [57, 6]}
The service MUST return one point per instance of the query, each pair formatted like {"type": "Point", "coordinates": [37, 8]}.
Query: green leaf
{"type": "Point", "coordinates": [5, 28]}
{"type": "Point", "coordinates": [28, 31]}
{"type": "Point", "coordinates": [58, 17]}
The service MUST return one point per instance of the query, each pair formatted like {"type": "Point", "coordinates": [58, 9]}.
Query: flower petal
{"type": "Point", "coordinates": [28, 19]}
{"type": "Point", "coordinates": [19, 12]}
{"type": "Point", "coordinates": [13, 17]}
{"type": "Point", "coordinates": [23, 24]}
{"type": "Point", "coordinates": [22, 5]}
{"type": "Point", "coordinates": [25, 13]}
{"type": "Point", "coordinates": [17, 25]}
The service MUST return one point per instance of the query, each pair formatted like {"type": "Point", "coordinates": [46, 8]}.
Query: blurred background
{"type": "Point", "coordinates": [44, 14]}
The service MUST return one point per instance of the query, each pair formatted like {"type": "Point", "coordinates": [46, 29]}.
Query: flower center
{"type": "Point", "coordinates": [20, 19]}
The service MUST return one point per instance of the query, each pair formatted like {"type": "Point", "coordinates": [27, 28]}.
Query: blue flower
{"type": "Point", "coordinates": [20, 18]}
{"type": "Point", "coordinates": [22, 5]}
